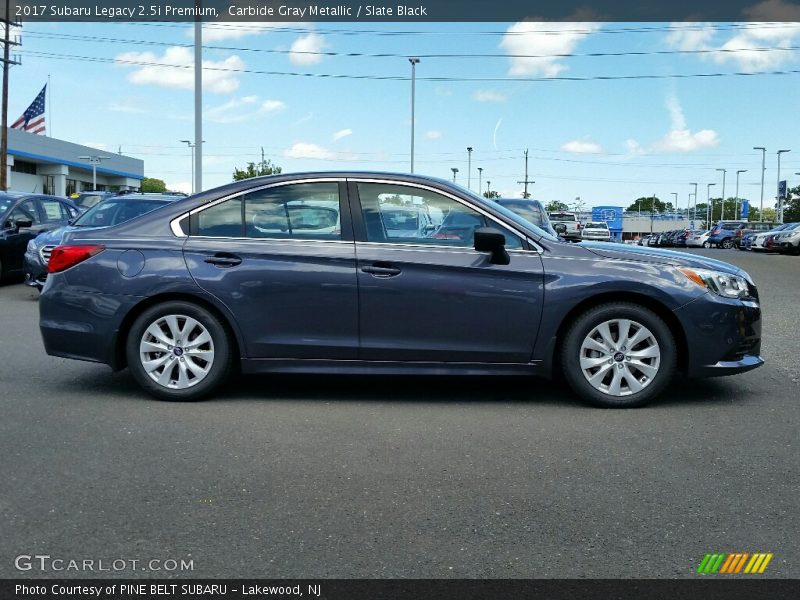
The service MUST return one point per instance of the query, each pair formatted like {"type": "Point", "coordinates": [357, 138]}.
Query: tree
{"type": "Point", "coordinates": [791, 208]}
{"type": "Point", "coordinates": [491, 194]}
{"type": "Point", "coordinates": [151, 185]}
{"type": "Point", "coordinates": [556, 206]}
{"type": "Point", "coordinates": [260, 169]}
{"type": "Point", "coordinates": [647, 204]}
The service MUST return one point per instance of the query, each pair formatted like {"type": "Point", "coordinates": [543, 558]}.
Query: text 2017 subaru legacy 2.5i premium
{"type": "Point", "coordinates": [299, 273]}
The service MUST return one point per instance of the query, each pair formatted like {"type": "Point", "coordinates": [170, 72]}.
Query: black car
{"type": "Point", "coordinates": [110, 211]}
{"type": "Point", "coordinates": [234, 278]}
{"type": "Point", "coordinates": [22, 218]}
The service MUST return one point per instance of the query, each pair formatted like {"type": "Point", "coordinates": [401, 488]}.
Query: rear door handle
{"type": "Point", "coordinates": [380, 270]}
{"type": "Point", "coordinates": [224, 261]}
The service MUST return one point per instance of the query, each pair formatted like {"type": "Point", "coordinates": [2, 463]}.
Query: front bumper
{"type": "Point", "coordinates": [723, 335]}
{"type": "Point", "coordinates": [35, 271]}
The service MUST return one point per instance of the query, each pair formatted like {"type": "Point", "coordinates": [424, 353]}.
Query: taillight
{"type": "Point", "coordinates": [738, 233]}
{"type": "Point", "coordinates": [64, 257]}
{"type": "Point", "coordinates": [579, 226]}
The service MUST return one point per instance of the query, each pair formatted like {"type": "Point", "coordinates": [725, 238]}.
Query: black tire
{"type": "Point", "coordinates": [584, 324]}
{"type": "Point", "coordinates": [706, 245]}
{"type": "Point", "coordinates": [727, 244]}
{"type": "Point", "coordinates": [221, 344]}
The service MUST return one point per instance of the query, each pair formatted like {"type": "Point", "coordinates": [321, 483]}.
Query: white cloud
{"type": "Point", "coordinates": [531, 47]}
{"type": "Point", "coordinates": [488, 96]}
{"type": "Point", "coordinates": [680, 138]}
{"type": "Point", "coordinates": [306, 150]}
{"type": "Point", "coordinates": [125, 107]}
{"type": "Point", "coordinates": [173, 70]}
{"type": "Point", "coordinates": [582, 146]}
{"type": "Point", "coordinates": [180, 186]}
{"type": "Point", "coordinates": [307, 44]}
{"type": "Point", "coordinates": [342, 133]}
{"type": "Point", "coordinates": [755, 46]}
{"type": "Point", "coordinates": [433, 134]}
{"type": "Point", "coordinates": [239, 110]}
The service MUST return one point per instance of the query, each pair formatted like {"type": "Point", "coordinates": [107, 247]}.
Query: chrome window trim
{"type": "Point", "coordinates": [174, 224]}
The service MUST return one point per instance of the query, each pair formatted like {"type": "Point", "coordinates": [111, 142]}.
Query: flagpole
{"type": "Point", "coordinates": [49, 106]}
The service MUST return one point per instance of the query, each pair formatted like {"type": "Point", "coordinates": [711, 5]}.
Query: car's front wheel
{"type": "Point", "coordinates": [706, 244]}
{"type": "Point", "coordinates": [727, 243]}
{"type": "Point", "coordinates": [179, 351]}
{"type": "Point", "coordinates": [618, 355]}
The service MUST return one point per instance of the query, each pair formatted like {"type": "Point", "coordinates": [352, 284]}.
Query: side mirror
{"type": "Point", "coordinates": [560, 228]}
{"type": "Point", "coordinates": [22, 224]}
{"type": "Point", "coordinates": [491, 240]}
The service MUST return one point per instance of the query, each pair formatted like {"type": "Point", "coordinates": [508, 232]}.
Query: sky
{"type": "Point", "coordinates": [604, 141]}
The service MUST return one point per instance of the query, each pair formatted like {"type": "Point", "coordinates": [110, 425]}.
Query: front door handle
{"type": "Point", "coordinates": [223, 260]}
{"type": "Point", "coordinates": [381, 270]}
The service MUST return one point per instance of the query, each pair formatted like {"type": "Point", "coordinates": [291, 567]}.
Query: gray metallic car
{"type": "Point", "coordinates": [184, 294]}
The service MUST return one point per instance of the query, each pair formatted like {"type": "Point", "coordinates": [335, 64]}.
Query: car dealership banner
{"type": "Point", "coordinates": [408, 11]}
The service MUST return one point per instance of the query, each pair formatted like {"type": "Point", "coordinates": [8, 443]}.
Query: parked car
{"type": "Point", "coordinates": [698, 239]}
{"type": "Point", "coordinates": [728, 234]}
{"type": "Point", "coordinates": [788, 241]}
{"type": "Point", "coordinates": [570, 221]}
{"type": "Point", "coordinates": [178, 306]}
{"type": "Point", "coordinates": [86, 200]}
{"type": "Point", "coordinates": [596, 231]}
{"type": "Point", "coordinates": [407, 222]}
{"type": "Point", "coordinates": [112, 211]}
{"type": "Point", "coordinates": [681, 235]}
{"type": "Point", "coordinates": [531, 210]}
{"type": "Point", "coordinates": [23, 217]}
{"type": "Point", "coordinates": [643, 240]}
{"type": "Point", "coordinates": [759, 239]}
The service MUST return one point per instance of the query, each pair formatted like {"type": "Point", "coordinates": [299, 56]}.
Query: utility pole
{"type": "Point", "coordinates": [525, 194]}
{"type": "Point", "coordinates": [480, 178]}
{"type": "Point", "coordinates": [694, 213]}
{"type": "Point", "coordinates": [763, 169]}
{"type": "Point", "coordinates": [414, 62]}
{"type": "Point", "coordinates": [722, 208]}
{"type": "Point", "coordinates": [7, 62]}
{"type": "Point", "coordinates": [198, 104]}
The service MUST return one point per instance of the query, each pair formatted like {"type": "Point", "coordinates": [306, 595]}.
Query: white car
{"type": "Point", "coordinates": [698, 239]}
{"type": "Point", "coordinates": [596, 231]}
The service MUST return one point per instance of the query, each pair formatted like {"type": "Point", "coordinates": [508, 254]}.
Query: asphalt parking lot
{"type": "Point", "coordinates": [388, 477]}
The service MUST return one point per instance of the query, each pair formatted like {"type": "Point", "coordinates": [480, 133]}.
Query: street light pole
{"type": "Point", "coordinates": [94, 160]}
{"type": "Point", "coordinates": [469, 167]}
{"type": "Point", "coordinates": [763, 169]}
{"type": "Point", "coordinates": [454, 170]}
{"type": "Point", "coordinates": [480, 179]}
{"type": "Point", "coordinates": [414, 62]}
{"type": "Point", "coordinates": [708, 205]}
{"type": "Point", "coordinates": [675, 206]}
{"type": "Point", "coordinates": [738, 214]}
{"type": "Point", "coordinates": [488, 187]}
{"type": "Point", "coordinates": [778, 190]}
{"type": "Point", "coordinates": [722, 209]}
{"type": "Point", "coordinates": [694, 212]}
{"type": "Point", "coordinates": [191, 145]}
{"type": "Point", "coordinates": [198, 106]}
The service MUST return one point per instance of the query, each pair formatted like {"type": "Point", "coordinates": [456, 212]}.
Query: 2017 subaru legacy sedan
{"type": "Point", "coordinates": [300, 273]}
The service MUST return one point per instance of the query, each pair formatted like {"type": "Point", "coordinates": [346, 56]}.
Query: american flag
{"type": "Point", "coordinates": [32, 120]}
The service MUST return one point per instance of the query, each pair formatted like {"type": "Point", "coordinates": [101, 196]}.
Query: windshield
{"type": "Point", "coordinates": [115, 211]}
{"type": "Point", "coordinates": [514, 217]}
{"type": "Point", "coordinates": [560, 216]}
{"type": "Point", "coordinates": [88, 200]}
{"type": "Point", "coordinates": [596, 226]}
{"type": "Point", "coordinates": [529, 211]}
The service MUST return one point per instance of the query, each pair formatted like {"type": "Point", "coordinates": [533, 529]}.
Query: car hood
{"type": "Point", "coordinates": [656, 255]}
{"type": "Point", "coordinates": [54, 236]}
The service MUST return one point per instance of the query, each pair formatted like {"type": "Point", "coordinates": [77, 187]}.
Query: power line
{"type": "Point", "coordinates": [107, 40]}
{"type": "Point", "coordinates": [440, 79]}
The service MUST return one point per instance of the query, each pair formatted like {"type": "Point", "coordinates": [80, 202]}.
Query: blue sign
{"type": "Point", "coordinates": [782, 189]}
{"type": "Point", "coordinates": [610, 214]}
{"type": "Point", "coordinates": [745, 208]}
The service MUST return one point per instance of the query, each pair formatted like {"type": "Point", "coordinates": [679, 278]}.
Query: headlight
{"type": "Point", "coordinates": [31, 246]}
{"type": "Point", "coordinates": [722, 284]}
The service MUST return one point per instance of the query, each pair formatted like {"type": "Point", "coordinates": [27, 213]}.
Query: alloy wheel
{"type": "Point", "coordinates": [620, 357]}
{"type": "Point", "coordinates": [176, 351]}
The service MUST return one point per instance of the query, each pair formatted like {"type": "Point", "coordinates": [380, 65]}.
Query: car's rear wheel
{"type": "Point", "coordinates": [706, 244]}
{"type": "Point", "coordinates": [179, 351]}
{"type": "Point", "coordinates": [727, 243]}
{"type": "Point", "coordinates": [618, 355]}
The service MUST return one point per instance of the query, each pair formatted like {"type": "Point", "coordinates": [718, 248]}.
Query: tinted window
{"type": "Point", "coordinates": [88, 200]}
{"type": "Point", "coordinates": [528, 211]}
{"type": "Point", "coordinates": [54, 212]}
{"type": "Point", "coordinates": [402, 214]}
{"type": "Point", "coordinates": [557, 216]}
{"type": "Point", "coordinates": [598, 226]}
{"type": "Point", "coordinates": [301, 211]}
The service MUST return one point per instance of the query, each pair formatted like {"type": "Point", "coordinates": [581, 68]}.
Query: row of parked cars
{"type": "Point", "coordinates": [759, 236]}
{"type": "Point", "coordinates": [32, 225]}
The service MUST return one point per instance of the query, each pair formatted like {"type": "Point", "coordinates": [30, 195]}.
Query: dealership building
{"type": "Point", "coordinates": [45, 165]}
